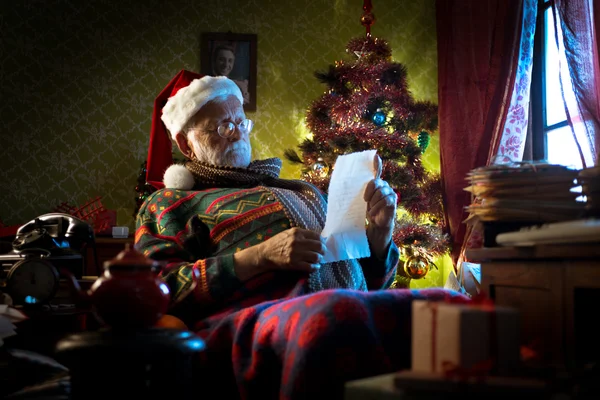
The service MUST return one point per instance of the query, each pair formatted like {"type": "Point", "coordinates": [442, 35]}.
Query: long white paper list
{"type": "Point", "coordinates": [344, 229]}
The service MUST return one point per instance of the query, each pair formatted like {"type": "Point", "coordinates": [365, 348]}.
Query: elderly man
{"type": "Point", "coordinates": [243, 253]}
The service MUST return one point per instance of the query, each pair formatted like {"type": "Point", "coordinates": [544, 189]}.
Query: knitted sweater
{"type": "Point", "coordinates": [198, 232]}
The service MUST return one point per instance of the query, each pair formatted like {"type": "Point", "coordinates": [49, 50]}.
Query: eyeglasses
{"type": "Point", "coordinates": [227, 129]}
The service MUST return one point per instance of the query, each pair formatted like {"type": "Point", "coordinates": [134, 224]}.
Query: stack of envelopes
{"type": "Point", "coordinates": [534, 192]}
{"type": "Point", "coordinates": [589, 179]}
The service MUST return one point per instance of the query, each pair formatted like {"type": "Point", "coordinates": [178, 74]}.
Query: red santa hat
{"type": "Point", "coordinates": [176, 104]}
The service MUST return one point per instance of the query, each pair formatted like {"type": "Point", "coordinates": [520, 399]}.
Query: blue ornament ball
{"type": "Point", "coordinates": [378, 118]}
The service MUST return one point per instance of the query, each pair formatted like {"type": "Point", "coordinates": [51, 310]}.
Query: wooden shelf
{"type": "Point", "coordinates": [541, 252]}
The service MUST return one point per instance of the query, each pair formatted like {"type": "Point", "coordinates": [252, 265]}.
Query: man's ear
{"type": "Point", "coordinates": [183, 144]}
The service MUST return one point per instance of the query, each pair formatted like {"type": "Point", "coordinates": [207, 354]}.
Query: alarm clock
{"type": "Point", "coordinates": [32, 280]}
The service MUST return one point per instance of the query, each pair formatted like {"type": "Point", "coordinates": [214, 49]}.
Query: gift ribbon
{"type": "Point", "coordinates": [478, 371]}
{"type": "Point", "coordinates": [434, 310]}
{"type": "Point", "coordinates": [481, 369]}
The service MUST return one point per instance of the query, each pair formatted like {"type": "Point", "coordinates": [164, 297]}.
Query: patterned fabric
{"type": "Point", "coordinates": [303, 204]}
{"type": "Point", "coordinates": [512, 143]}
{"type": "Point", "coordinates": [270, 337]}
{"type": "Point", "coordinates": [197, 233]}
{"type": "Point", "coordinates": [308, 347]}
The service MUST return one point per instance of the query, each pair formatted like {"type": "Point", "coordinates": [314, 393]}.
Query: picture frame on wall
{"type": "Point", "coordinates": [232, 55]}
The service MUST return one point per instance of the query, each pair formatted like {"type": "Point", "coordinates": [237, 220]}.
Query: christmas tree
{"type": "Point", "coordinates": [367, 105]}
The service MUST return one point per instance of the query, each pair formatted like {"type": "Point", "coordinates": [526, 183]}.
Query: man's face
{"type": "Point", "coordinates": [209, 146]}
{"type": "Point", "coordinates": [224, 62]}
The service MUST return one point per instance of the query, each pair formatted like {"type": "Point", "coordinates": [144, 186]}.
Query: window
{"type": "Point", "coordinates": [552, 138]}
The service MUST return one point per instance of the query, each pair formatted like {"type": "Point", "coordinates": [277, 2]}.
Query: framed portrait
{"type": "Point", "coordinates": [232, 55]}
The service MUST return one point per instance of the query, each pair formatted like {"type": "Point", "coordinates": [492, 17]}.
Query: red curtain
{"type": "Point", "coordinates": [579, 29]}
{"type": "Point", "coordinates": [478, 48]}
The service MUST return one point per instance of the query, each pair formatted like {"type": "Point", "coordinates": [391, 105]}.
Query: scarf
{"type": "Point", "coordinates": [302, 202]}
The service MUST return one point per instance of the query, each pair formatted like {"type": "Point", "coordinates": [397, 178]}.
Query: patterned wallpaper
{"type": "Point", "coordinates": [78, 81]}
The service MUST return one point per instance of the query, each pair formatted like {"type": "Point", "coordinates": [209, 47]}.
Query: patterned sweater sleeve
{"type": "Point", "coordinates": [178, 244]}
{"type": "Point", "coordinates": [380, 273]}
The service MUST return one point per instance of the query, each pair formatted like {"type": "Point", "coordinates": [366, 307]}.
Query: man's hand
{"type": "Point", "coordinates": [293, 249]}
{"type": "Point", "coordinates": [381, 211]}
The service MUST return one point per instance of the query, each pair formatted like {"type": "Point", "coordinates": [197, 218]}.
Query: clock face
{"type": "Point", "coordinates": [32, 281]}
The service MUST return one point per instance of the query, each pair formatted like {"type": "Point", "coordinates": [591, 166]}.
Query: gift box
{"type": "Point", "coordinates": [465, 339]}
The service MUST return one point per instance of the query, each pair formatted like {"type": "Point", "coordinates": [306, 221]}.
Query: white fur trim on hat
{"type": "Point", "coordinates": [188, 100]}
{"type": "Point", "coordinates": [178, 177]}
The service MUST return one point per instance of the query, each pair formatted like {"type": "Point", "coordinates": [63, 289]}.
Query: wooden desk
{"type": "Point", "coordinates": [107, 248]}
{"type": "Point", "coordinates": [555, 287]}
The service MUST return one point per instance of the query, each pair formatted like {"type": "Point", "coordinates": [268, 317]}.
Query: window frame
{"type": "Point", "coordinates": [539, 129]}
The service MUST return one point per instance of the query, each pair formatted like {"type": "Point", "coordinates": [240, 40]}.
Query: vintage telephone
{"type": "Point", "coordinates": [41, 248]}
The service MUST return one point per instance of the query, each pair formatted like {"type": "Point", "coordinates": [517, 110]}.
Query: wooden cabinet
{"type": "Point", "coordinates": [555, 288]}
{"type": "Point", "coordinates": [107, 248]}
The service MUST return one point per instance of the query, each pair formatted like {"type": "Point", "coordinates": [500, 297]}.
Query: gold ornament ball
{"type": "Point", "coordinates": [320, 168]}
{"type": "Point", "coordinates": [416, 267]}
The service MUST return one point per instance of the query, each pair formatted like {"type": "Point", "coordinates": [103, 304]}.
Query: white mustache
{"type": "Point", "coordinates": [239, 145]}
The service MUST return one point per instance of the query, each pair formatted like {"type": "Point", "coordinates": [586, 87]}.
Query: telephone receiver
{"type": "Point", "coordinates": [55, 233]}
{"type": "Point", "coordinates": [65, 229]}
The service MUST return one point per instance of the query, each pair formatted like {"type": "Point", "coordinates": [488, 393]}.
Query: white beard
{"type": "Point", "coordinates": [238, 155]}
